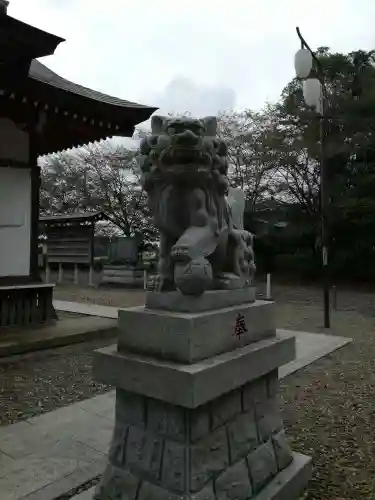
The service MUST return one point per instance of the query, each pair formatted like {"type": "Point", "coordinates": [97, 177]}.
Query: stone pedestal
{"type": "Point", "coordinates": [197, 412]}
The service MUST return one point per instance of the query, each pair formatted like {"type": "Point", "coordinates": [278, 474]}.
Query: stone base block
{"type": "Point", "coordinates": [231, 448]}
{"type": "Point", "coordinates": [191, 337]}
{"type": "Point", "coordinates": [209, 301]}
{"type": "Point", "coordinates": [199, 425]}
{"type": "Point", "coordinates": [290, 483]}
{"type": "Point", "coordinates": [191, 385]}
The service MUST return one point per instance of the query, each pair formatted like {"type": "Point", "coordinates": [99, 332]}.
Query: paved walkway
{"type": "Point", "coordinates": [64, 332]}
{"type": "Point", "coordinates": [89, 309]}
{"type": "Point", "coordinates": [46, 456]}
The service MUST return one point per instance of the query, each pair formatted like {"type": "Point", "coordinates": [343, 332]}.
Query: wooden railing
{"type": "Point", "coordinates": [26, 305]}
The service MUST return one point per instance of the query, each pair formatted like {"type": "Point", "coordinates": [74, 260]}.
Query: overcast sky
{"type": "Point", "coordinates": [200, 56]}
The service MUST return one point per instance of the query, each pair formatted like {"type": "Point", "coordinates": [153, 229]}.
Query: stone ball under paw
{"type": "Point", "coordinates": [193, 278]}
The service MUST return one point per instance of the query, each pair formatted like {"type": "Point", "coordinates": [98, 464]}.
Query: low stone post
{"type": "Point", "coordinates": [197, 412]}
{"type": "Point", "coordinates": [91, 276]}
{"type": "Point", "coordinates": [268, 286]}
{"type": "Point", "coordinates": [145, 279]}
{"type": "Point", "coordinates": [47, 272]}
{"type": "Point", "coordinates": [76, 274]}
{"type": "Point", "coordinates": [60, 277]}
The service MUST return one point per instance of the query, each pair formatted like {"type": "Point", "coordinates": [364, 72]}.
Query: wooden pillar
{"type": "Point", "coordinates": [34, 219]}
{"type": "Point", "coordinates": [35, 182]}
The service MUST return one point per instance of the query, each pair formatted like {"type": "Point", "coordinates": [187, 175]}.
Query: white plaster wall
{"type": "Point", "coordinates": [15, 221]}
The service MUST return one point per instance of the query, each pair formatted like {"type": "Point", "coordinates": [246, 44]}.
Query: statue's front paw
{"type": "Point", "coordinates": [193, 278]}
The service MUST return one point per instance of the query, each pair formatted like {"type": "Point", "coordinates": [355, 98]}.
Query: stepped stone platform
{"type": "Point", "coordinates": [63, 332]}
{"type": "Point", "coordinates": [197, 413]}
{"type": "Point", "coordinates": [76, 438]}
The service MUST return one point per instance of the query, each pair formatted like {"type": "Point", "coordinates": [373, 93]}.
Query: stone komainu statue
{"type": "Point", "coordinates": [203, 245]}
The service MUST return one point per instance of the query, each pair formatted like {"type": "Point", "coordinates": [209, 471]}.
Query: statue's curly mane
{"type": "Point", "coordinates": [180, 155]}
{"type": "Point", "coordinates": [183, 150]}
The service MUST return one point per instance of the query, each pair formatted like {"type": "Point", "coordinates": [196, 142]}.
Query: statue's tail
{"type": "Point", "coordinates": [236, 206]}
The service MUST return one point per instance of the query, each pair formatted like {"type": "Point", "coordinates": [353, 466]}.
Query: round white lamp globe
{"type": "Point", "coordinates": [312, 93]}
{"type": "Point", "coordinates": [303, 63]}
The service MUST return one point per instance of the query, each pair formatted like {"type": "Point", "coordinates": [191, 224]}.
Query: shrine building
{"type": "Point", "coordinates": [40, 113]}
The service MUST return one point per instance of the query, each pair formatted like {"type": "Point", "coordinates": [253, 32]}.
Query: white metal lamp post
{"type": "Point", "coordinates": [314, 93]}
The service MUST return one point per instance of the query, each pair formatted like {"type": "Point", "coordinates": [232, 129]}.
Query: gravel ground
{"type": "Point", "coordinates": [116, 297]}
{"type": "Point", "coordinates": [346, 300]}
{"type": "Point", "coordinates": [35, 383]}
{"type": "Point", "coordinates": [328, 406]}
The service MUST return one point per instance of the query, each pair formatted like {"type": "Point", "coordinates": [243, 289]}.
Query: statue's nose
{"type": "Point", "coordinates": [187, 138]}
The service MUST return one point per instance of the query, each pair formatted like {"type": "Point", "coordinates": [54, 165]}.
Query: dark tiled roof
{"type": "Point", "coordinates": [74, 217]}
{"type": "Point", "coordinates": [21, 38]}
{"type": "Point", "coordinates": [43, 74]}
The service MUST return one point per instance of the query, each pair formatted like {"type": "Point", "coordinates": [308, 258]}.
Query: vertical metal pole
{"type": "Point", "coordinates": [324, 198]}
